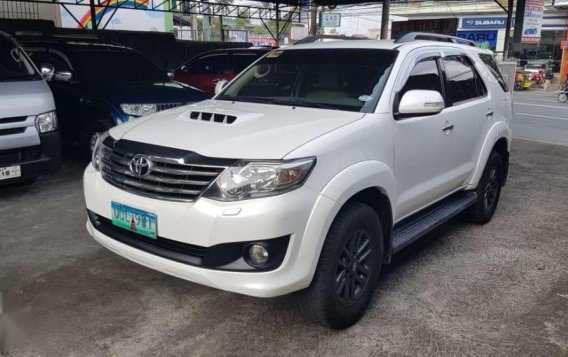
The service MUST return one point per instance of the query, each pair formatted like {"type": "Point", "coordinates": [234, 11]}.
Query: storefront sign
{"type": "Point", "coordinates": [484, 39]}
{"type": "Point", "coordinates": [330, 20]}
{"type": "Point", "coordinates": [484, 22]}
{"type": "Point", "coordinates": [532, 24]}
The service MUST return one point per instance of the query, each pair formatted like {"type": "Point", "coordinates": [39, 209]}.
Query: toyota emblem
{"type": "Point", "coordinates": [140, 166]}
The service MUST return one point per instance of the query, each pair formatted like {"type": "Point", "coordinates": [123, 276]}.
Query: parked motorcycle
{"type": "Point", "coordinates": [563, 97]}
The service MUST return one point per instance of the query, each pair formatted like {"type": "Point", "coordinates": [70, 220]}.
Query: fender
{"type": "Point", "coordinates": [334, 195]}
{"type": "Point", "coordinates": [497, 131]}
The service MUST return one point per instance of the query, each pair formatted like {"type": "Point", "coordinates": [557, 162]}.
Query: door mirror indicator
{"type": "Point", "coordinates": [221, 83]}
{"type": "Point", "coordinates": [421, 102]}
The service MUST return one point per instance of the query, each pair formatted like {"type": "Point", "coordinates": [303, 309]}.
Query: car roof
{"type": "Point", "coordinates": [382, 45]}
{"type": "Point", "coordinates": [71, 43]}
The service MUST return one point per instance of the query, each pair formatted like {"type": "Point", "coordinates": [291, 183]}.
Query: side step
{"type": "Point", "coordinates": [418, 225]}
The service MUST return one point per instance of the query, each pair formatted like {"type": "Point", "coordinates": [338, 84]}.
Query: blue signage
{"type": "Point", "coordinates": [485, 39]}
{"type": "Point", "coordinates": [484, 23]}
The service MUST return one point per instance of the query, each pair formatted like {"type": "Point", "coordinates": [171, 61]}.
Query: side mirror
{"type": "Point", "coordinates": [47, 71]}
{"type": "Point", "coordinates": [221, 83]}
{"type": "Point", "coordinates": [421, 102]}
{"type": "Point", "coordinates": [62, 76]}
{"type": "Point", "coordinates": [171, 75]}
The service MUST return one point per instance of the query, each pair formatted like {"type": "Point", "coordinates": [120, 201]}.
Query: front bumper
{"type": "Point", "coordinates": [301, 215]}
{"type": "Point", "coordinates": [34, 161]}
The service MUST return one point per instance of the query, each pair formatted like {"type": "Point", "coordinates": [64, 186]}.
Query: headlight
{"type": "Point", "coordinates": [139, 109]}
{"type": "Point", "coordinates": [46, 122]}
{"type": "Point", "coordinates": [259, 179]}
{"type": "Point", "coordinates": [98, 151]}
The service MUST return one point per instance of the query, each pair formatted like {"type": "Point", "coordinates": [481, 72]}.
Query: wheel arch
{"type": "Point", "coordinates": [498, 138]}
{"type": "Point", "coordinates": [368, 182]}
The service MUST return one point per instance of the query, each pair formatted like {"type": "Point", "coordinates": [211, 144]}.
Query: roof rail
{"type": "Point", "coordinates": [414, 36]}
{"type": "Point", "coordinates": [322, 38]}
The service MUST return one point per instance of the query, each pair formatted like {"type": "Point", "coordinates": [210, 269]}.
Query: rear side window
{"type": "Point", "coordinates": [213, 64]}
{"type": "Point", "coordinates": [425, 76]}
{"type": "Point", "coordinates": [463, 82]}
{"type": "Point", "coordinates": [494, 69]}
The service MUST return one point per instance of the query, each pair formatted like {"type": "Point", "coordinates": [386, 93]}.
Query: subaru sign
{"type": "Point", "coordinates": [484, 39]}
{"type": "Point", "coordinates": [484, 23]}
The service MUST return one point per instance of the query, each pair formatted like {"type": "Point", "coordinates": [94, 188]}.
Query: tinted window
{"type": "Point", "coordinates": [210, 64]}
{"type": "Point", "coordinates": [425, 76]}
{"type": "Point", "coordinates": [14, 65]}
{"type": "Point", "coordinates": [494, 69]}
{"type": "Point", "coordinates": [243, 60]}
{"type": "Point", "coordinates": [350, 79]}
{"type": "Point", "coordinates": [463, 82]}
{"type": "Point", "coordinates": [115, 66]}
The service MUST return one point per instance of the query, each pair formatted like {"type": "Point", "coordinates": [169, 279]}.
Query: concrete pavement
{"type": "Point", "coordinates": [495, 290]}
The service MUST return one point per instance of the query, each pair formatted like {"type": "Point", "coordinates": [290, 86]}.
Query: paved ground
{"type": "Point", "coordinates": [540, 116]}
{"type": "Point", "coordinates": [498, 289]}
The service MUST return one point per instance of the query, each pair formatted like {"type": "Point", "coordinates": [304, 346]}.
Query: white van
{"type": "Point", "coordinates": [29, 139]}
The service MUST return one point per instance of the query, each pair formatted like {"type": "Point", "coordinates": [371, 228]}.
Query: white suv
{"type": "Point", "coordinates": [308, 171]}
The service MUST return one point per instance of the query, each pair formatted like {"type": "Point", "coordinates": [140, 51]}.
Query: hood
{"type": "Point", "coordinates": [147, 92]}
{"type": "Point", "coordinates": [236, 130]}
{"type": "Point", "coordinates": [25, 98]}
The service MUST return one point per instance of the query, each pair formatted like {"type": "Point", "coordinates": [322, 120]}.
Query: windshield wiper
{"type": "Point", "coordinates": [302, 102]}
{"type": "Point", "coordinates": [263, 100]}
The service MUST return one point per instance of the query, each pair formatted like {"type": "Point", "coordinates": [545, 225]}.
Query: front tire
{"type": "Point", "coordinates": [488, 191]}
{"type": "Point", "coordinates": [563, 97]}
{"type": "Point", "coordinates": [347, 271]}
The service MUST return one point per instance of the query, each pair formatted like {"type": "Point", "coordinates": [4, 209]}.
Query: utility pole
{"type": "Point", "coordinates": [519, 20]}
{"type": "Point", "coordinates": [222, 29]}
{"type": "Point", "coordinates": [385, 19]}
{"type": "Point", "coordinates": [510, 7]}
{"type": "Point", "coordinates": [313, 18]}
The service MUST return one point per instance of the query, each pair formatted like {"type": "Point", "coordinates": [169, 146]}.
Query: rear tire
{"type": "Point", "coordinates": [347, 271]}
{"type": "Point", "coordinates": [488, 191]}
{"type": "Point", "coordinates": [563, 97]}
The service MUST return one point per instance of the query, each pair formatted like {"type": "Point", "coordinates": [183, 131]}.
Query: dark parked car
{"type": "Point", "coordinates": [98, 85]}
{"type": "Point", "coordinates": [208, 68]}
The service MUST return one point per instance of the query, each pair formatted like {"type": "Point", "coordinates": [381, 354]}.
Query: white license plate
{"type": "Point", "coordinates": [10, 172]}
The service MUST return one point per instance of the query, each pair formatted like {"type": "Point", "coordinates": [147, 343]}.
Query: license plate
{"type": "Point", "coordinates": [10, 172]}
{"type": "Point", "coordinates": [134, 219]}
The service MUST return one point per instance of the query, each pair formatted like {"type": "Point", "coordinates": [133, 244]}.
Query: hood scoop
{"type": "Point", "coordinates": [213, 117]}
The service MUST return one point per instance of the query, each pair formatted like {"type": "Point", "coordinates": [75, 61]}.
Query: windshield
{"type": "Point", "coordinates": [340, 79]}
{"type": "Point", "coordinates": [116, 66]}
{"type": "Point", "coordinates": [14, 65]}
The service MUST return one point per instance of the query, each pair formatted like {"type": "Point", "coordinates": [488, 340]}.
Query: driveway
{"type": "Point", "coordinates": [494, 290]}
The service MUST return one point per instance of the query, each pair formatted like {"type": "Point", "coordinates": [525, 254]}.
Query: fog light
{"type": "Point", "coordinates": [258, 254]}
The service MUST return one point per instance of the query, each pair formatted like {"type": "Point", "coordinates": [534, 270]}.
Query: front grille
{"type": "Point", "coordinates": [20, 155]}
{"type": "Point", "coordinates": [166, 248]}
{"type": "Point", "coordinates": [12, 131]}
{"type": "Point", "coordinates": [169, 178]}
{"type": "Point", "coordinates": [12, 120]}
{"type": "Point", "coordinates": [166, 106]}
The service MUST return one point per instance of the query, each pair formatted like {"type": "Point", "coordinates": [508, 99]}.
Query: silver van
{"type": "Point", "coordinates": [29, 137]}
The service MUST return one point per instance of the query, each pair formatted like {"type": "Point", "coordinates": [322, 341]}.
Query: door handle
{"type": "Point", "coordinates": [448, 127]}
{"type": "Point", "coordinates": [489, 114]}
{"type": "Point", "coordinates": [217, 80]}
